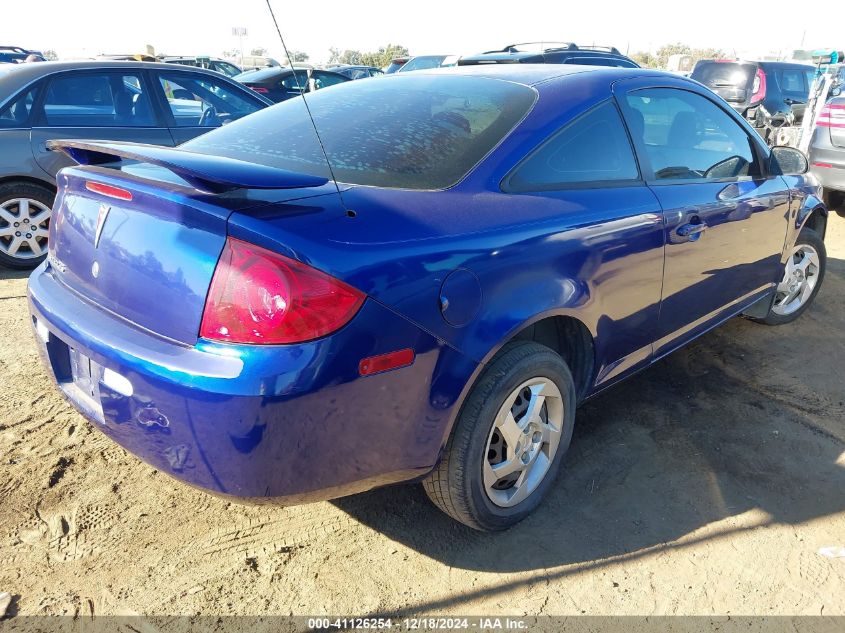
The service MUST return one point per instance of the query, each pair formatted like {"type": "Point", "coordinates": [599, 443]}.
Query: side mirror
{"type": "Point", "coordinates": [835, 92]}
{"type": "Point", "coordinates": [788, 161]}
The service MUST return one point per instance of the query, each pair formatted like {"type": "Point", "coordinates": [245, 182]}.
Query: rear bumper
{"type": "Point", "coordinates": [269, 423]}
{"type": "Point", "coordinates": [827, 162]}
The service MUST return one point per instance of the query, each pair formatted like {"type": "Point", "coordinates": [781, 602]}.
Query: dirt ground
{"type": "Point", "coordinates": [705, 485]}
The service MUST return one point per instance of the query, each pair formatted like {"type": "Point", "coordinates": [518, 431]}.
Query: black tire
{"type": "Point", "coordinates": [835, 201]}
{"type": "Point", "coordinates": [456, 486]}
{"type": "Point", "coordinates": [10, 191]}
{"type": "Point", "coordinates": [811, 238]}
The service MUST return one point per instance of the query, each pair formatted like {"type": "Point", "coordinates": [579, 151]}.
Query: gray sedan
{"type": "Point", "coordinates": [162, 104]}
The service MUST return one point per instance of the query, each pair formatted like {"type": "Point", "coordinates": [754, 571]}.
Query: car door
{"type": "Point", "coordinates": [195, 103]}
{"type": "Point", "coordinates": [111, 105]}
{"type": "Point", "coordinates": [586, 175]}
{"type": "Point", "coordinates": [725, 218]}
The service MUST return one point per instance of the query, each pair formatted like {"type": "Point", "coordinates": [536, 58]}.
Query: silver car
{"type": "Point", "coordinates": [827, 148]}
{"type": "Point", "coordinates": [161, 104]}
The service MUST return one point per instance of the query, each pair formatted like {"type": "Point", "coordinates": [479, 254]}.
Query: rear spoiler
{"type": "Point", "coordinates": [212, 174]}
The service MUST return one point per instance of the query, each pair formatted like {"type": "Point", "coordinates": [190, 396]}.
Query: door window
{"type": "Point", "coordinates": [688, 137]}
{"type": "Point", "coordinates": [203, 101]}
{"type": "Point", "coordinates": [98, 100]}
{"type": "Point", "coordinates": [593, 148]}
{"type": "Point", "coordinates": [16, 113]}
{"type": "Point", "coordinates": [324, 80]}
{"type": "Point", "coordinates": [296, 81]}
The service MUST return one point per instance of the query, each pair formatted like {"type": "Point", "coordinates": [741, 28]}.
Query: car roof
{"type": "Point", "coordinates": [195, 57]}
{"type": "Point", "coordinates": [535, 74]}
{"type": "Point", "coordinates": [17, 76]}
{"type": "Point", "coordinates": [514, 55]}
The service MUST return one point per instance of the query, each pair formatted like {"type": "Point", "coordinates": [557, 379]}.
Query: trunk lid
{"type": "Point", "coordinates": [142, 242]}
{"type": "Point", "coordinates": [148, 260]}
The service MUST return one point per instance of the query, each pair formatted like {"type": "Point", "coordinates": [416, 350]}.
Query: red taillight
{"type": "Point", "coordinates": [259, 89]}
{"type": "Point", "coordinates": [258, 296]}
{"type": "Point", "coordinates": [832, 115]}
{"type": "Point", "coordinates": [108, 190]}
{"type": "Point", "coordinates": [758, 90]}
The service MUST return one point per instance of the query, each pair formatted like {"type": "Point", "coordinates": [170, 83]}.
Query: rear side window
{"type": "Point", "coordinates": [98, 100]}
{"type": "Point", "coordinates": [593, 148]}
{"type": "Point", "coordinates": [16, 113]}
{"type": "Point", "coordinates": [688, 137]}
{"type": "Point", "coordinates": [414, 132]}
{"type": "Point", "coordinates": [792, 83]}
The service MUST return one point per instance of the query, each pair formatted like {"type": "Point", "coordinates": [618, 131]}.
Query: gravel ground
{"type": "Point", "coordinates": [704, 485]}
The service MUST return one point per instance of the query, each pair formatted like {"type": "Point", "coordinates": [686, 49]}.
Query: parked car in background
{"type": "Point", "coordinates": [281, 82]}
{"type": "Point", "coordinates": [552, 53]}
{"type": "Point", "coordinates": [164, 104]}
{"type": "Point", "coordinates": [356, 72]}
{"type": "Point", "coordinates": [395, 64]}
{"type": "Point", "coordinates": [127, 57]}
{"type": "Point", "coordinates": [427, 62]}
{"type": "Point", "coordinates": [211, 63]}
{"type": "Point", "coordinates": [759, 90]}
{"type": "Point", "coordinates": [500, 244]}
{"type": "Point", "coordinates": [16, 54]}
{"type": "Point", "coordinates": [827, 152]}
{"type": "Point", "coordinates": [253, 62]}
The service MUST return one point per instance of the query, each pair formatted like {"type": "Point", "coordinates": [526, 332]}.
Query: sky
{"type": "Point", "coordinates": [79, 28]}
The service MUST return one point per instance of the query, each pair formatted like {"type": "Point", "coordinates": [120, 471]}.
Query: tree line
{"type": "Point", "coordinates": [385, 54]}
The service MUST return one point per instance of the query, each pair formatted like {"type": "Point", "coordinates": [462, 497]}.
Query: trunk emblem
{"type": "Point", "coordinates": [102, 216]}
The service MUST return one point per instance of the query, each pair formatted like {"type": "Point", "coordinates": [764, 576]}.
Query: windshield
{"type": "Point", "coordinates": [414, 132]}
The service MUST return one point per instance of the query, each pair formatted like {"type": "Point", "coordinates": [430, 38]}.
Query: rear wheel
{"type": "Point", "coordinates": [802, 279]}
{"type": "Point", "coordinates": [508, 441]}
{"type": "Point", "coordinates": [25, 210]}
{"type": "Point", "coordinates": [835, 201]}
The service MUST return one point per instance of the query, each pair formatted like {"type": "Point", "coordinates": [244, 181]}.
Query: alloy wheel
{"type": "Point", "coordinates": [799, 280]}
{"type": "Point", "coordinates": [24, 225]}
{"type": "Point", "coordinates": [523, 441]}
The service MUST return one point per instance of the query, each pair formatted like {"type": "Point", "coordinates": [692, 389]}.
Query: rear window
{"type": "Point", "coordinates": [412, 132]}
{"type": "Point", "coordinates": [724, 74]}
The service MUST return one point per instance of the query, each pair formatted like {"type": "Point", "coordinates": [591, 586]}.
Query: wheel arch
{"type": "Point", "coordinates": [30, 180]}
{"type": "Point", "coordinates": [564, 331]}
{"type": "Point", "coordinates": [813, 218]}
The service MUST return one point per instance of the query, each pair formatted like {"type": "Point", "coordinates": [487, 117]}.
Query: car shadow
{"type": "Point", "coordinates": [747, 420]}
{"type": "Point", "coordinates": [11, 273]}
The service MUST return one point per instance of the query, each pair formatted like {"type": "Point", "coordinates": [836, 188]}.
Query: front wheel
{"type": "Point", "coordinates": [802, 278]}
{"type": "Point", "coordinates": [508, 440]}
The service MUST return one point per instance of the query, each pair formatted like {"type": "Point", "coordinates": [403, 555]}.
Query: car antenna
{"type": "Point", "coordinates": [305, 101]}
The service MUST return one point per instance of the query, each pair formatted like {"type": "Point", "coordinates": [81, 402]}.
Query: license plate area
{"type": "Point", "coordinates": [82, 386]}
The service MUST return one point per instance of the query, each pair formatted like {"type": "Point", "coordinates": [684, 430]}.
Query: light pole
{"type": "Point", "coordinates": [240, 32]}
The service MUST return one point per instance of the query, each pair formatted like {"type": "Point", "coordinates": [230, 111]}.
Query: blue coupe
{"type": "Point", "coordinates": [425, 291]}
